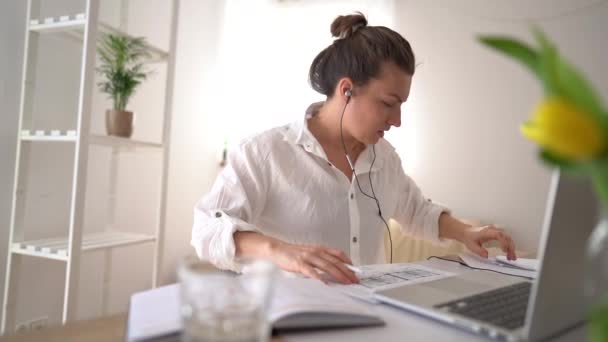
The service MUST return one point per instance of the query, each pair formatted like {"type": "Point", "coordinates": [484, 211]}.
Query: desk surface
{"type": "Point", "coordinates": [399, 324]}
{"type": "Point", "coordinates": [99, 330]}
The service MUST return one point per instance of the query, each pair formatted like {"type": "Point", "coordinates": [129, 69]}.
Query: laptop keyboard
{"type": "Point", "coordinates": [504, 307]}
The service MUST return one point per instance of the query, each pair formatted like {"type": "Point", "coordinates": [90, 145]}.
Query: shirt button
{"type": "Point", "coordinates": [352, 196]}
{"type": "Point", "coordinates": [354, 239]}
{"type": "Point", "coordinates": [218, 214]}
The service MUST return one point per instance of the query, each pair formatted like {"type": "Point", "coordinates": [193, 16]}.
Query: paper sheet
{"type": "Point", "coordinates": [492, 264]}
{"type": "Point", "coordinates": [154, 313]}
{"type": "Point", "coordinates": [526, 264]}
{"type": "Point", "coordinates": [385, 276]}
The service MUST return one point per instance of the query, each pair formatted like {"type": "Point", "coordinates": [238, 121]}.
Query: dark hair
{"type": "Point", "coordinates": [358, 53]}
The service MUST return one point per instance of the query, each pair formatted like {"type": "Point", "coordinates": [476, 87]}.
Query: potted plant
{"type": "Point", "coordinates": [122, 69]}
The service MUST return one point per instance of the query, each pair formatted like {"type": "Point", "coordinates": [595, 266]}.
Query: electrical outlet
{"type": "Point", "coordinates": [39, 323]}
{"type": "Point", "coordinates": [32, 325]}
{"type": "Point", "coordinates": [22, 327]}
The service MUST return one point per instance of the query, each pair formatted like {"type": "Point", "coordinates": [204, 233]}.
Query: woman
{"type": "Point", "coordinates": [315, 195]}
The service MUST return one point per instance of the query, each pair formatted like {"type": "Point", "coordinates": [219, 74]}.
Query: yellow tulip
{"type": "Point", "coordinates": [565, 130]}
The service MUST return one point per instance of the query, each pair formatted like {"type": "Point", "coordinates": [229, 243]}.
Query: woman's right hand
{"type": "Point", "coordinates": [308, 259]}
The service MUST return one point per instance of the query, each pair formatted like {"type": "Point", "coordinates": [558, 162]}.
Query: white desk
{"type": "Point", "coordinates": [402, 325]}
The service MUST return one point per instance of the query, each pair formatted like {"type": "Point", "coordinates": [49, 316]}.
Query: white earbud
{"type": "Point", "coordinates": [348, 93]}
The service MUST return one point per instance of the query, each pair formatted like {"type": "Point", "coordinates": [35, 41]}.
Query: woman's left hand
{"type": "Point", "coordinates": [474, 238]}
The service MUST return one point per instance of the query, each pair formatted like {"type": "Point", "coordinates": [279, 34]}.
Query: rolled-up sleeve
{"type": "Point", "coordinates": [235, 200]}
{"type": "Point", "coordinates": [417, 215]}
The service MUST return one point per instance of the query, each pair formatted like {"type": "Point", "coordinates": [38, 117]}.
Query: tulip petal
{"type": "Point", "coordinates": [565, 130]}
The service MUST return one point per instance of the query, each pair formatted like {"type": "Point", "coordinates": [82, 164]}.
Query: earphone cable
{"type": "Point", "coordinates": [370, 180]}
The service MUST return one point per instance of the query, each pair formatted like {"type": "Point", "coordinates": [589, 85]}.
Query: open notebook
{"type": "Point", "coordinates": [297, 304]}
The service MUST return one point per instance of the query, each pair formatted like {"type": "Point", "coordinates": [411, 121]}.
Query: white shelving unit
{"type": "Point", "coordinates": [84, 29]}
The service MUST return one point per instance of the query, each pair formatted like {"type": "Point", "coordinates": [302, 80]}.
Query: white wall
{"type": "Point", "coordinates": [12, 31]}
{"type": "Point", "coordinates": [194, 143]}
{"type": "Point", "coordinates": [468, 102]}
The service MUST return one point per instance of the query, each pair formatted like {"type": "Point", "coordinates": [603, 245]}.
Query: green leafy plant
{"type": "Point", "coordinates": [122, 66]}
{"type": "Point", "coordinates": [570, 126]}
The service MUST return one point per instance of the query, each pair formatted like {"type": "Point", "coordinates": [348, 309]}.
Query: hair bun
{"type": "Point", "coordinates": [345, 26]}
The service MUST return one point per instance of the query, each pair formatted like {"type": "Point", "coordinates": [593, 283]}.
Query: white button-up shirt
{"type": "Point", "coordinates": [281, 184]}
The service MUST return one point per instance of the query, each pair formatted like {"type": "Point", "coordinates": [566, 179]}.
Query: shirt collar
{"type": "Point", "coordinates": [298, 133]}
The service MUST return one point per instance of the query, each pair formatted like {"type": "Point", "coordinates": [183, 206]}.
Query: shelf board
{"type": "Point", "coordinates": [57, 248]}
{"type": "Point", "coordinates": [94, 139]}
{"type": "Point", "coordinates": [73, 27]}
{"type": "Point", "coordinates": [113, 141]}
{"type": "Point", "coordinates": [58, 25]}
{"type": "Point", "coordinates": [40, 135]}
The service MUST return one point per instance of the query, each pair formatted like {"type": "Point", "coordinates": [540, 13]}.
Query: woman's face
{"type": "Point", "coordinates": [375, 107]}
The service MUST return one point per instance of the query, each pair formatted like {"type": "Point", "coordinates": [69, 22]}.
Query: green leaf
{"type": "Point", "coordinates": [548, 61]}
{"type": "Point", "coordinates": [514, 48]}
{"type": "Point", "coordinates": [565, 80]}
{"type": "Point", "coordinates": [580, 91]}
{"type": "Point", "coordinates": [599, 174]}
{"type": "Point", "coordinates": [598, 320]}
{"type": "Point", "coordinates": [565, 165]}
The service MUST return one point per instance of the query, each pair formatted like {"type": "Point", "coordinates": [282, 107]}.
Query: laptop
{"type": "Point", "coordinates": [511, 308]}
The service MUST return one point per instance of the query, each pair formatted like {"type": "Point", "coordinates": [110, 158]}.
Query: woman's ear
{"type": "Point", "coordinates": [345, 86]}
